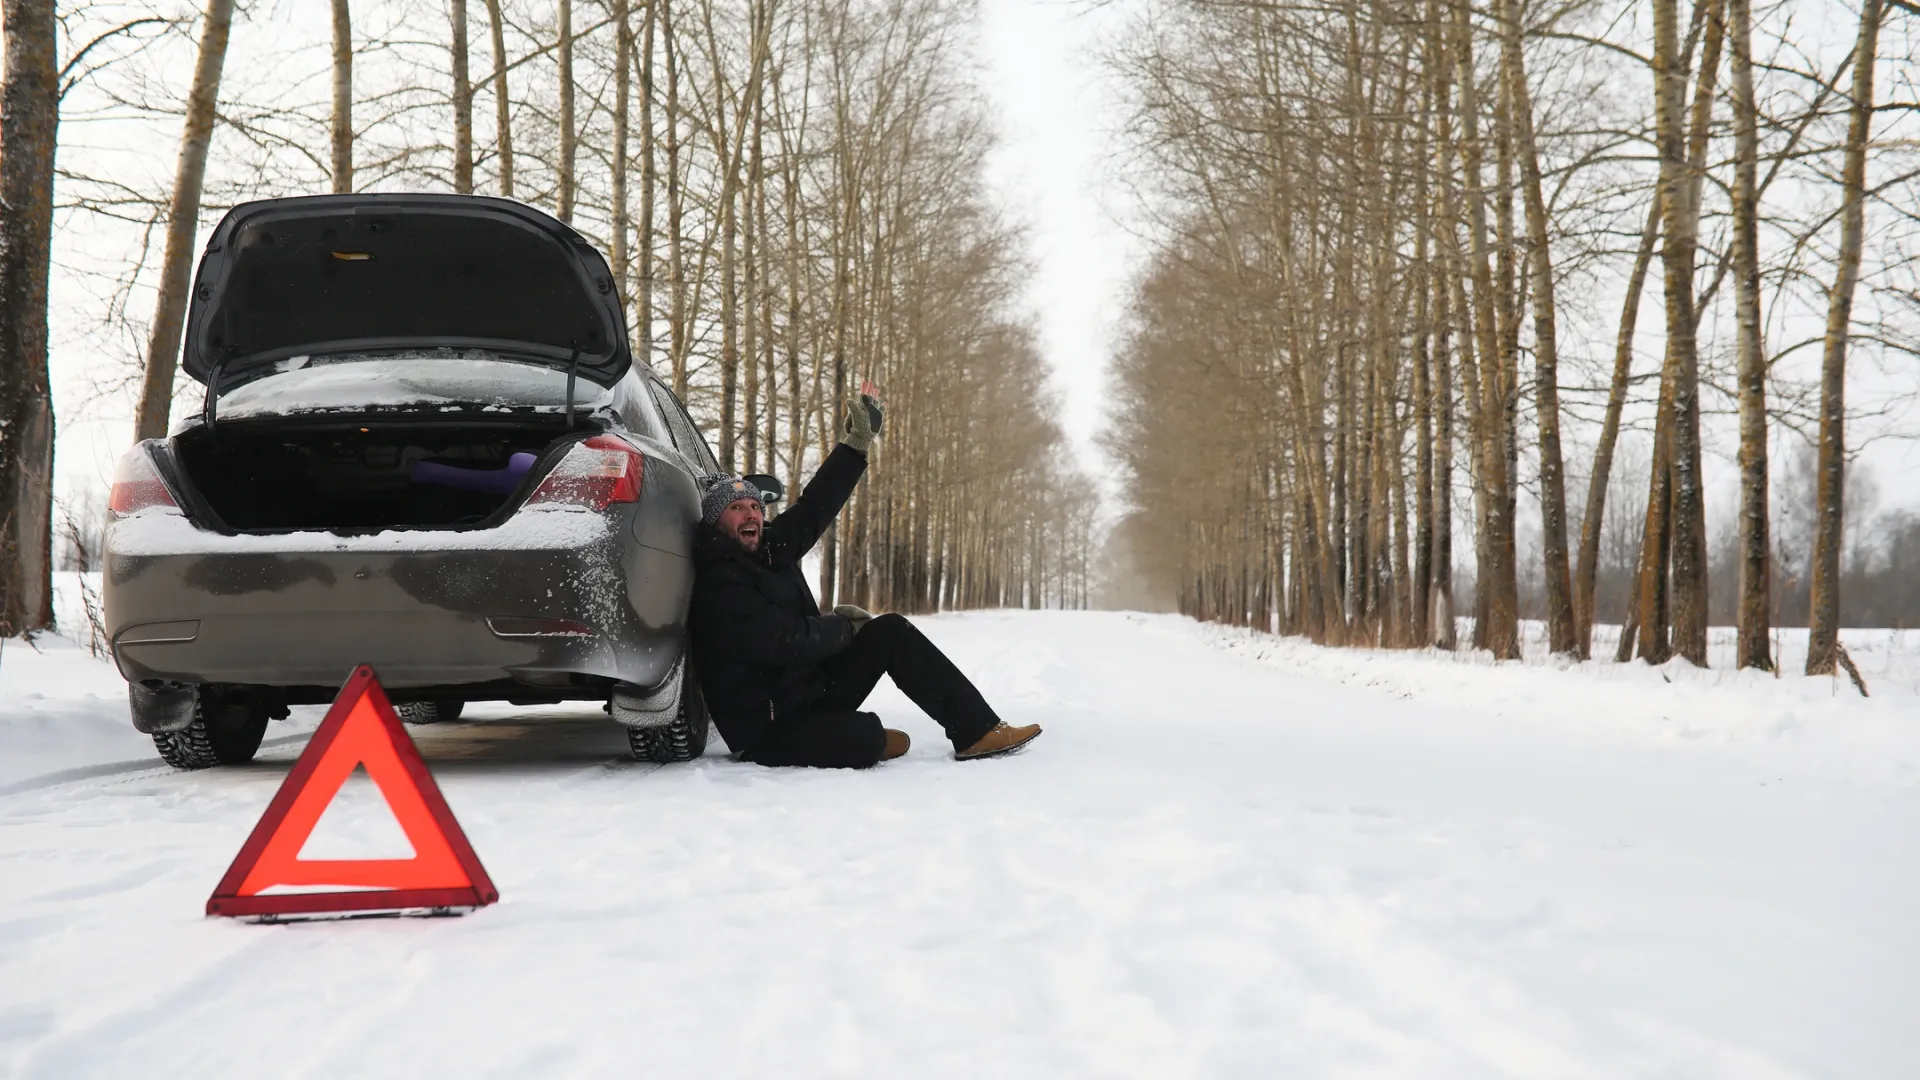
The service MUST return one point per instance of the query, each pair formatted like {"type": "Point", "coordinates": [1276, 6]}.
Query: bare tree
{"type": "Point", "coordinates": [1756, 570]}
{"type": "Point", "coordinates": [1675, 534]}
{"type": "Point", "coordinates": [1823, 643]}
{"type": "Point", "coordinates": [29, 116]}
{"type": "Point", "coordinates": [649, 184]}
{"type": "Point", "coordinates": [1497, 586]}
{"type": "Point", "coordinates": [677, 266]}
{"type": "Point", "coordinates": [342, 96]}
{"type": "Point", "coordinates": [1562, 625]}
{"type": "Point", "coordinates": [569, 132]}
{"type": "Point", "coordinates": [502, 105]}
{"type": "Point", "coordinates": [1593, 518]}
{"type": "Point", "coordinates": [622, 108]}
{"type": "Point", "coordinates": [462, 103]}
{"type": "Point", "coordinates": [183, 218]}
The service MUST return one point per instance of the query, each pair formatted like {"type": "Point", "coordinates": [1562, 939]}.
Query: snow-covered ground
{"type": "Point", "coordinates": [1230, 855]}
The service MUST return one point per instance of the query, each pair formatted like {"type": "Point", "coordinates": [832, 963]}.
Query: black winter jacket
{"type": "Point", "coordinates": [758, 635]}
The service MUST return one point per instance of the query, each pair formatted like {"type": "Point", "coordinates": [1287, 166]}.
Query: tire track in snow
{"type": "Point", "coordinates": [129, 770]}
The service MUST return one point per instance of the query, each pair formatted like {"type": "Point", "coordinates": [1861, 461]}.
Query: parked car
{"type": "Point", "coordinates": [425, 446]}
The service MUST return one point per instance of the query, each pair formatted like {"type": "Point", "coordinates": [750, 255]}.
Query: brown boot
{"type": "Point", "coordinates": [897, 743]}
{"type": "Point", "coordinates": [1001, 740]}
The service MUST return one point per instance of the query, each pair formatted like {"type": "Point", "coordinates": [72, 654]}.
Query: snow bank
{"type": "Point", "coordinates": [63, 705]}
{"type": "Point", "coordinates": [61, 709]}
{"type": "Point", "coordinates": [1823, 721]}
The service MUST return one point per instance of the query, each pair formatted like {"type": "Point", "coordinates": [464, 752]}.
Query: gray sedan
{"type": "Point", "coordinates": [425, 447]}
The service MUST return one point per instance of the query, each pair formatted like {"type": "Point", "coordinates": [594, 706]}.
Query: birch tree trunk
{"type": "Point", "coordinates": [729, 324]}
{"type": "Point", "coordinates": [502, 104]}
{"type": "Point", "coordinates": [790, 183]}
{"type": "Point", "coordinates": [342, 97]}
{"type": "Point", "coordinates": [564, 181]}
{"type": "Point", "coordinates": [1498, 583]}
{"type": "Point", "coordinates": [763, 296]}
{"type": "Point", "coordinates": [1823, 635]}
{"type": "Point", "coordinates": [676, 208]}
{"type": "Point", "coordinates": [29, 122]}
{"type": "Point", "coordinates": [183, 219]}
{"type": "Point", "coordinates": [1753, 649]}
{"type": "Point", "coordinates": [1658, 574]}
{"type": "Point", "coordinates": [1594, 516]}
{"type": "Point", "coordinates": [462, 104]}
{"type": "Point", "coordinates": [1680, 226]}
{"type": "Point", "coordinates": [643, 297]}
{"type": "Point", "coordinates": [1561, 622]}
{"type": "Point", "coordinates": [1652, 576]}
{"type": "Point", "coordinates": [622, 104]}
{"type": "Point", "coordinates": [1440, 624]}
{"type": "Point", "coordinates": [1420, 633]}
{"type": "Point", "coordinates": [750, 289]}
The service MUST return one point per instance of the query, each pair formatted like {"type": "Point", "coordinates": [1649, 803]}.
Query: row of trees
{"type": "Point", "coordinates": [1395, 223]}
{"type": "Point", "coordinates": [790, 192]}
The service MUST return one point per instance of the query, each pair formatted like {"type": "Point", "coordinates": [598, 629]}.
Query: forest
{"type": "Point", "coordinates": [1454, 314]}
{"type": "Point", "coordinates": [1453, 302]}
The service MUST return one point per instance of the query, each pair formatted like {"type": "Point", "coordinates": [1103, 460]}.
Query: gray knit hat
{"type": "Point", "coordinates": [722, 492]}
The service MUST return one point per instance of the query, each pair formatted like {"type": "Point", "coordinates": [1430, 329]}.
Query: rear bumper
{"type": "Point", "coordinates": [298, 612]}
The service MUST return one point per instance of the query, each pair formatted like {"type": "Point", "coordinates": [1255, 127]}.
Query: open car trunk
{"type": "Point", "coordinates": [358, 475]}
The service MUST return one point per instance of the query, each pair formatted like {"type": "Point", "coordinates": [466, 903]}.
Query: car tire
{"type": "Point", "coordinates": [683, 738]}
{"type": "Point", "coordinates": [429, 712]}
{"type": "Point", "coordinates": [224, 731]}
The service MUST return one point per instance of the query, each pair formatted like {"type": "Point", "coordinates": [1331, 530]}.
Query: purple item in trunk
{"type": "Point", "coordinates": [493, 481]}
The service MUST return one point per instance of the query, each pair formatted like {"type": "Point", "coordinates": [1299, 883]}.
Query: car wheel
{"type": "Point", "coordinates": [429, 712]}
{"type": "Point", "coordinates": [224, 731]}
{"type": "Point", "coordinates": [681, 739]}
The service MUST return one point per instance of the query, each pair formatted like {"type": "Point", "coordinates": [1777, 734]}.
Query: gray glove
{"type": "Point", "coordinates": [863, 422]}
{"type": "Point", "coordinates": [858, 616]}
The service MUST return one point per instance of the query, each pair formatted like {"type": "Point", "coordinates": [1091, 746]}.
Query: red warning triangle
{"type": "Point", "coordinates": [359, 730]}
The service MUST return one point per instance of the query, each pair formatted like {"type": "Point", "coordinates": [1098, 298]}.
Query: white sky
{"type": "Point", "coordinates": [1053, 170]}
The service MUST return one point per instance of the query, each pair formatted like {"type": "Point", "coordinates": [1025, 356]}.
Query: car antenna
{"type": "Point", "coordinates": [573, 372]}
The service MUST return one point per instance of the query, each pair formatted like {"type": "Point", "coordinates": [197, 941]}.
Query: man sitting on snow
{"type": "Point", "coordinates": [784, 682]}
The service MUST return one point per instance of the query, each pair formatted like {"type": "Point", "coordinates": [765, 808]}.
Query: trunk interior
{"type": "Point", "coordinates": [364, 475]}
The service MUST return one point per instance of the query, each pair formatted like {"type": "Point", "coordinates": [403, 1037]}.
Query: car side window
{"type": "Point", "coordinates": [686, 437]}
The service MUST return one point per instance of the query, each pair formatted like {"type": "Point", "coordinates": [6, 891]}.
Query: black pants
{"type": "Point", "coordinates": [831, 733]}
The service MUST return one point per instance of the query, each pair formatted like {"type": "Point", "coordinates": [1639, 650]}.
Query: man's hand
{"type": "Point", "coordinates": [864, 417]}
{"type": "Point", "coordinates": [858, 616]}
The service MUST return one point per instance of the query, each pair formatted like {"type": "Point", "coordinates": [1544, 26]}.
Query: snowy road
{"type": "Point", "coordinates": [1215, 863]}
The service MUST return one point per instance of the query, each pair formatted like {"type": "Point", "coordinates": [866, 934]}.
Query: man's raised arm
{"type": "Point", "coordinates": [799, 526]}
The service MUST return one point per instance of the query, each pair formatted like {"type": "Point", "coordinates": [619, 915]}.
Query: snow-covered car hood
{"type": "Point", "coordinates": [376, 273]}
{"type": "Point", "coordinates": [446, 380]}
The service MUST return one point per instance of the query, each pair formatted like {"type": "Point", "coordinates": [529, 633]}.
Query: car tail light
{"type": "Point", "coordinates": [595, 473]}
{"type": "Point", "coordinates": [137, 486]}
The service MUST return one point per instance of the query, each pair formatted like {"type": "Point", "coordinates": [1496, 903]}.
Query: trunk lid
{"type": "Point", "coordinates": [376, 273]}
